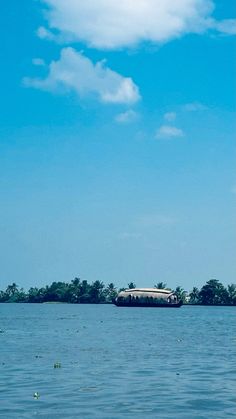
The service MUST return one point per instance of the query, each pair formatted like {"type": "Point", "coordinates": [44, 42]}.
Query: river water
{"type": "Point", "coordinates": [117, 362]}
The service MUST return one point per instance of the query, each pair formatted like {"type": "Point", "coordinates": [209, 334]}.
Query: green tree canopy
{"type": "Point", "coordinates": [194, 296]}
{"type": "Point", "coordinates": [213, 292]}
{"type": "Point", "coordinates": [160, 285]}
{"type": "Point", "coordinates": [131, 285]}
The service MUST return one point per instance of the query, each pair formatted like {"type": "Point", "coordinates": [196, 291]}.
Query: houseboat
{"type": "Point", "coordinates": [147, 297]}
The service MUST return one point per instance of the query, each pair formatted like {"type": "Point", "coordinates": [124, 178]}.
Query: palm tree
{"type": "Point", "coordinates": [194, 295]}
{"type": "Point", "coordinates": [110, 292]}
{"type": "Point", "coordinates": [33, 295]}
{"type": "Point", "coordinates": [76, 281]}
{"type": "Point", "coordinates": [213, 292]}
{"type": "Point", "coordinates": [160, 285]}
{"type": "Point", "coordinates": [96, 292]}
{"type": "Point", "coordinates": [11, 289]}
{"type": "Point", "coordinates": [83, 291]}
{"type": "Point", "coordinates": [232, 294]}
{"type": "Point", "coordinates": [180, 293]}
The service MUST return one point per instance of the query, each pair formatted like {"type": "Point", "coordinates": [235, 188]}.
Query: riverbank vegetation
{"type": "Point", "coordinates": [80, 292]}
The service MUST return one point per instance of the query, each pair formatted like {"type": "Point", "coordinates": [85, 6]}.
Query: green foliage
{"type": "Point", "coordinates": [180, 293]}
{"type": "Point", "coordinates": [131, 285]}
{"type": "Point", "coordinates": [160, 285]}
{"type": "Point", "coordinates": [110, 292]}
{"type": "Point", "coordinates": [232, 293]}
{"type": "Point", "coordinates": [77, 291]}
{"type": "Point", "coordinates": [213, 292]}
{"type": "Point", "coordinates": [96, 294]}
{"type": "Point", "coordinates": [194, 296]}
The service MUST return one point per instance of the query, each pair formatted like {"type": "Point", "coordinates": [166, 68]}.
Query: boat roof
{"type": "Point", "coordinates": [153, 290]}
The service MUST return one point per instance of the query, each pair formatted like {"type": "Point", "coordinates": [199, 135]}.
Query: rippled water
{"type": "Point", "coordinates": [117, 362]}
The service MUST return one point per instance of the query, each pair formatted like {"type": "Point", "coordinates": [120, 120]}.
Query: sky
{"type": "Point", "coordinates": [117, 142]}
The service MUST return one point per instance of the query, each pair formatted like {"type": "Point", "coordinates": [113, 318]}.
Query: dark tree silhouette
{"type": "Point", "coordinates": [181, 294]}
{"type": "Point", "coordinates": [160, 285]}
{"type": "Point", "coordinates": [213, 292]}
{"type": "Point", "coordinates": [131, 285]}
{"type": "Point", "coordinates": [194, 296]}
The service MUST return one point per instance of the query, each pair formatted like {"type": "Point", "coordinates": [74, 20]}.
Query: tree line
{"type": "Point", "coordinates": [81, 292]}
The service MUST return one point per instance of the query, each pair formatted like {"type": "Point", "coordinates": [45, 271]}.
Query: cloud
{"type": "Point", "coordinates": [112, 24]}
{"type": "Point", "coordinates": [194, 106]}
{"type": "Point", "coordinates": [227, 26]}
{"type": "Point", "coordinates": [168, 131]}
{"type": "Point", "coordinates": [126, 117]}
{"type": "Point", "coordinates": [75, 72]}
{"type": "Point", "coordinates": [170, 116]}
{"type": "Point", "coordinates": [44, 33]}
{"type": "Point", "coordinates": [38, 62]}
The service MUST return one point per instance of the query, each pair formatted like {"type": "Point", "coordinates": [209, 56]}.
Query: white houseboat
{"type": "Point", "coordinates": [147, 297]}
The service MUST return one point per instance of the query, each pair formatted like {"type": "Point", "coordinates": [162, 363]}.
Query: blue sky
{"type": "Point", "coordinates": [117, 151]}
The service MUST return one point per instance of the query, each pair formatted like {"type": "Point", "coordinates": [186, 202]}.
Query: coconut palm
{"type": "Point", "coordinates": [110, 292]}
{"type": "Point", "coordinates": [11, 289]}
{"type": "Point", "coordinates": [160, 285]}
{"type": "Point", "coordinates": [194, 295]}
{"type": "Point", "coordinates": [180, 293]}
{"type": "Point", "coordinates": [232, 294]}
{"type": "Point", "coordinates": [213, 292]}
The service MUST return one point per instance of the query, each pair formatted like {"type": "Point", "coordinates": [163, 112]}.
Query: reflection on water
{"type": "Point", "coordinates": [117, 362]}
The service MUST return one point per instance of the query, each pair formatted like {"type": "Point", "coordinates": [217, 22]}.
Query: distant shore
{"type": "Point", "coordinates": [79, 291]}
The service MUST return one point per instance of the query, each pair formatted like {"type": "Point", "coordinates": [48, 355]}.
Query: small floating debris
{"type": "Point", "coordinates": [36, 395]}
{"type": "Point", "coordinates": [38, 356]}
{"type": "Point", "coordinates": [88, 389]}
{"type": "Point", "coordinates": [1, 331]}
{"type": "Point", "coordinates": [57, 365]}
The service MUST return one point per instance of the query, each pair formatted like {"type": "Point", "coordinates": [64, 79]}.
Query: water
{"type": "Point", "coordinates": [117, 362]}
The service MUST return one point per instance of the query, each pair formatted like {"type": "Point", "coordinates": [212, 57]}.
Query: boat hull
{"type": "Point", "coordinates": [139, 304]}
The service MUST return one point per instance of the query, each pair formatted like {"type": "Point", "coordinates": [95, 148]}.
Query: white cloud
{"type": "Point", "coordinates": [126, 117]}
{"type": "Point", "coordinates": [75, 72]}
{"type": "Point", "coordinates": [38, 62]}
{"type": "Point", "coordinates": [170, 116]}
{"type": "Point", "coordinates": [44, 33]}
{"type": "Point", "coordinates": [194, 106]}
{"type": "Point", "coordinates": [227, 26]}
{"type": "Point", "coordinates": [114, 24]}
{"type": "Point", "coordinates": [168, 131]}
